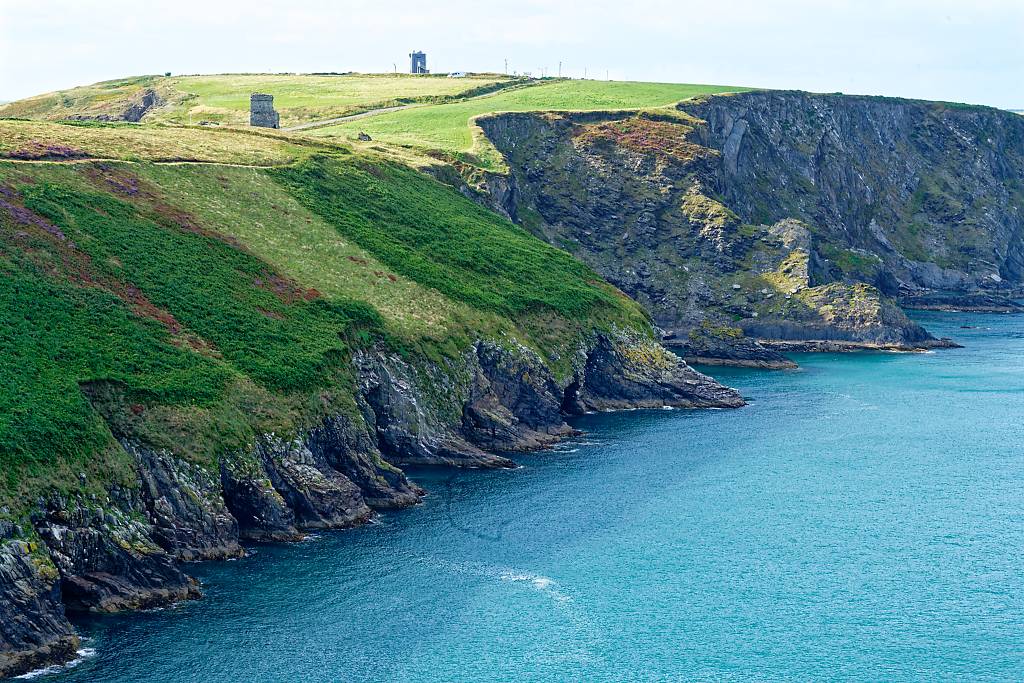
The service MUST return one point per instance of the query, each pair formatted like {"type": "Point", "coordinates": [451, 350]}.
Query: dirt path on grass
{"type": "Point", "coordinates": [351, 117]}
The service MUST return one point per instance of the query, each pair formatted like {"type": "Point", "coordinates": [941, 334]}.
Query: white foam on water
{"type": "Point", "coordinates": [541, 583]}
{"type": "Point", "coordinates": [591, 643]}
{"type": "Point", "coordinates": [83, 654]}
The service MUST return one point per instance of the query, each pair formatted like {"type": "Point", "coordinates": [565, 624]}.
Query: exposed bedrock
{"type": "Point", "coordinates": [776, 215]}
{"type": "Point", "coordinates": [184, 504]}
{"type": "Point", "coordinates": [33, 629]}
{"type": "Point", "coordinates": [621, 375]}
{"type": "Point", "coordinates": [106, 555]}
{"type": "Point", "coordinates": [933, 189]}
{"type": "Point", "coordinates": [124, 550]}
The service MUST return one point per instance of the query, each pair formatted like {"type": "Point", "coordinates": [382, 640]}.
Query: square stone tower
{"type": "Point", "coordinates": [418, 62]}
{"type": "Point", "coordinates": [261, 111]}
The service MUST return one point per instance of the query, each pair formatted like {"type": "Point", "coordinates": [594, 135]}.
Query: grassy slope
{"type": "Point", "coordinates": [225, 98]}
{"type": "Point", "coordinates": [203, 285]}
{"type": "Point", "coordinates": [448, 127]}
{"type": "Point", "coordinates": [44, 140]}
{"type": "Point", "coordinates": [88, 100]}
{"type": "Point", "coordinates": [221, 301]}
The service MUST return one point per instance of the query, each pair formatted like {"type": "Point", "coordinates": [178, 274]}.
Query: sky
{"type": "Point", "coordinates": [963, 50]}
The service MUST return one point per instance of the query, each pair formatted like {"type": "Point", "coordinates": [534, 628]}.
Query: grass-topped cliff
{"type": "Point", "coordinates": [215, 333]}
{"type": "Point", "coordinates": [434, 113]}
{"type": "Point", "coordinates": [799, 219]}
{"type": "Point", "coordinates": [199, 287]}
{"type": "Point", "coordinates": [210, 334]}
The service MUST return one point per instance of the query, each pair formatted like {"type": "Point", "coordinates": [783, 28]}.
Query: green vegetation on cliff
{"type": "Point", "coordinates": [210, 301]}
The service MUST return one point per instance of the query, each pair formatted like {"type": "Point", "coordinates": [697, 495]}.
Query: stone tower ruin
{"type": "Point", "coordinates": [261, 111]}
{"type": "Point", "coordinates": [418, 62]}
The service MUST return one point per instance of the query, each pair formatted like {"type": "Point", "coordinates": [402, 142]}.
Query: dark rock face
{"type": "Point", "coordinates": [738, 351]}
{"type": "Point", "coordinates": [514, 403]}
{"type": "Point", "coordinates": [338, 443]}
{"type": "Point", "coordinates": [33, 629]}
{"type": "Point", "coordinates": [319, 496]}
{"type": "Point", "coordinates": [124, 551]}
{"type": "Point", "coordinates": [934, 190]}
{"type": "Point", "coordinates": [140, 106]}
{"type": "Point", "coordinates": [416, 419]}
{"type": "Point", "coordinates": [184, 504]}
{"type": "Point", "coordinates": [620, 374]}
{"type": "Point", "coordinates": [107, 559]}
{"type": "Point", "coordinates": [134, 110]}
{"type": "Point", "coordinates": [260, 509]}
{"type": "Point", "coordinates": [509, 400]}
{"type": "Point", "coordinates": [780, 215]}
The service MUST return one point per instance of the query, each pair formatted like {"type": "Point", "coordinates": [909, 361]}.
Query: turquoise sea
{"type": "Point", "coordinates": [862, 519]}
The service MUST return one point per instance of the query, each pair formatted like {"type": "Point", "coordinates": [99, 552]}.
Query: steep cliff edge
{"type": "Point", "coordinates": [934, 190]}
{"type": "Point", "coordinates": [780, 216]}
{"type": "Point", "coordinates": [122, 551]}
{"type": "Point", "coordinates": [200, 355]}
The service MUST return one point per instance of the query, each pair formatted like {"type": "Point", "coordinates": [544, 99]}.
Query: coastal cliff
{"type": "Point", "coordinates": [241, 337]}
{"type": "Point", "coordinates": [768, 220]}
{"type": "Point", "coordinates": [199, 356]}
{"type": "Point", "coordinates": [124, 551]}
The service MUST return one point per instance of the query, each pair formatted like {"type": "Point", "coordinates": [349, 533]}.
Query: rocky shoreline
{"type": "Point", "coordinates": [841, 346]}
{"type": "Point", "coordinates": [125, 550]}
{"type": "Point", "coordinates": [968, 302]}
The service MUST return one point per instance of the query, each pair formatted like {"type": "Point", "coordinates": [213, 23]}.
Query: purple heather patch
{"type": "Point", "coordinates": [35, 150]}
{"type": "Point", "coordinates": [25, 217]}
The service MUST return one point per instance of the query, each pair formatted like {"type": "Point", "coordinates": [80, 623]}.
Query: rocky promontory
{"type": "Point", "coordinates": [791, 218]}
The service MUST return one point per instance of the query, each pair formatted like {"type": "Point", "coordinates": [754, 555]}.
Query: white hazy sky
{"type": "Point", "coordinates": [963, 50]}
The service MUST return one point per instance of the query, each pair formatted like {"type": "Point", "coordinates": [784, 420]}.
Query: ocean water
{"type": "Point", "coordinates": [862, 519]}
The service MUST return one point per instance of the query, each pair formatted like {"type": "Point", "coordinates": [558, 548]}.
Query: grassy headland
{"type": "Point", "coordinates": [214, 300]}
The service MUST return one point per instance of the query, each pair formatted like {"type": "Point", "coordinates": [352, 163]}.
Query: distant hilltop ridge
{"type": "Point", "coordinates": [224, 98]}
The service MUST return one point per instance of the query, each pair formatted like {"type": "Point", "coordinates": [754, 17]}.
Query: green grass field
{"type": "Point", "coordinates": [224, 98]}
{"type": "Point", "coordinates": [308, 98]}
{"type": "Point", "coordinates": [448, 127]}
{"type": "Point", "coordinates": [438, 113]}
